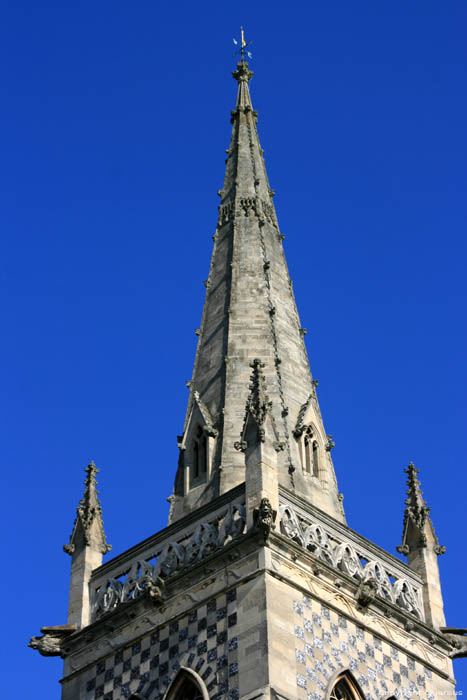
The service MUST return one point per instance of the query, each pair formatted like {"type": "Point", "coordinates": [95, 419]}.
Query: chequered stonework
{"type": "Point", "coordinates": [326, 643]}
{"type": "Point", "coordinates": [203, 640]}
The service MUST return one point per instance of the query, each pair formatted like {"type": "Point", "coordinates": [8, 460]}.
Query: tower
{"type": "Point", "coordinates": [257, 588]}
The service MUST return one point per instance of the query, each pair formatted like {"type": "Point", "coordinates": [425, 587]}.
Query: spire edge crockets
{"type": "Point", "coordinates": [417, 515]}
{"type": "Point", "coordinates": [242, 74]}
{"type": "Point", "coordinates": [88, 512]}
{"type": "Point", "coordinates": [249, 312]}
{"type": "Point", "coordinates": [258, 406]}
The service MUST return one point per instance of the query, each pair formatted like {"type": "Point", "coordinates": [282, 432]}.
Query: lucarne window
{"type": "Point", "coordinates": [199, 453]}
{"type": "Point", "coordinates": [310, 452]}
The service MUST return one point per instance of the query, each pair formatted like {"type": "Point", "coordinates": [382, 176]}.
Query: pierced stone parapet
{"type": "Point", "coordinates": [341, 554]}
{"type": "Point", "coordinates": [147, 576]}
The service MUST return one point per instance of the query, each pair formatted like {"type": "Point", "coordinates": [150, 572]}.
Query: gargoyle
{"type": "Point", "coordinates": [264, 518]}
{"type": "Point", "coordinates": [457, 639]}
{"type": "Point", "coordinates": [155, 590]}
{"type": "Point", "coordinates": [366, 592]}
{"type": "Point", "coordinates": [51, 642]}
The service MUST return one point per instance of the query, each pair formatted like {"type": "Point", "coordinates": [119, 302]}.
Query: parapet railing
{"type": "Point", "coordinates": [348, 552]}
{"type": "Point", "coordinates": [162, 558]}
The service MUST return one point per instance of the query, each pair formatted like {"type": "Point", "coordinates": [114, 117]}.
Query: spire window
{"type": "Point", "coordinates": [315, 458]}
{"type": "Point", "coordinates": [310, 452]}
{"type": "Point", "coordinates": [199, 454]}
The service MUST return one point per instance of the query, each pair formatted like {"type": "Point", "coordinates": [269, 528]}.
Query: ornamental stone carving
{"type": "Point", "coordinates": [149, 577]}
{"type": "Point", "coordinates": [225, 213]}
{"type": "Point", "coordinates": [264, 518]}
{"type": "Point", "coordinates": [366, 592]}
{"type": "Point", "coordinates": [342, 555]}
{"type": "Point", "coordinates": [457, 639]}
{"type": "Point", "coordinates": [51, 642]}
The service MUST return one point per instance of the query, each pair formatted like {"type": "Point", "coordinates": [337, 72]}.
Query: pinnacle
{"type": "Point", "coordinates": [90, 497]}
{"type": "Point", "coordinates": [417, 513]}
{"type": "Point", "coordinates": [89, 510]}
{"type": "Point", "coordinates": [415, 495]}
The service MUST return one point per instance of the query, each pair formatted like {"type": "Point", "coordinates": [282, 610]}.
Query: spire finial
{"type": "Point", "coordinates": [88, 511]}
{"type": "Point", "coordinates": [243, 46]}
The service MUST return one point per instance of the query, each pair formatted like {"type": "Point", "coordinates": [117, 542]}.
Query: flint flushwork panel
{"type": "Point", "coordinates": [204, 640]}
{"type": "Point", "coordinates": [326, 643]}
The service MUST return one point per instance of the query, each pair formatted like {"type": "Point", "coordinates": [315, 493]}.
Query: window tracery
{"type": "Point", "coordinates": [310, 452]}
{"type": "Point", "coordinates": [185, 687]}
{"type": "Point", "coordinates": [345, 689]}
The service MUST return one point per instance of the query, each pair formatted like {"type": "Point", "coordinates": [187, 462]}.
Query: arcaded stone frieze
{"type": "Point", "coordinates": [148, 576]}
{"type": "Point", "coordinates": [332, 548]}
{"type": "Point", "coordinates": [247, 206]}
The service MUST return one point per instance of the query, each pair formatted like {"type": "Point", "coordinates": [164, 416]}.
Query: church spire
{"type": "Point", "coordinates": [249, 313]}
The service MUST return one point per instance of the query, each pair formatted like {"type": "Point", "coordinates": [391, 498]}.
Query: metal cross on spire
{"type": "Point", "coordinates": [243, 46]}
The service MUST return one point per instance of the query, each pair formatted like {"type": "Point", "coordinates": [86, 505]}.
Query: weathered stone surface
{"type": "Point", "coordinates": [421, 546]}
{"type": "Point", "coordinates": [52, 641]}
{"type": "Point", "coordinates": [257, 589]}
{"type": "Point", "coordinates": [249, 313]}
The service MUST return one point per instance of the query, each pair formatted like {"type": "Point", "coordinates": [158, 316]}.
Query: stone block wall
{"type": "Point", "coordinates": [205, 640]}
{"type": "Point", "coordinates": [313, 641]}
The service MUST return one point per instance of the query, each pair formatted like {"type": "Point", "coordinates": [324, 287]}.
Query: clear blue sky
{"type": "Point", "coordinates": [115, 119]}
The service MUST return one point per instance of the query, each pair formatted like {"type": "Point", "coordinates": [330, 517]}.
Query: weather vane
{"type": "Point", "coordinates": [243, 46]}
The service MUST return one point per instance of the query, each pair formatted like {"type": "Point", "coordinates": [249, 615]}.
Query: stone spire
{"type": "Point", "coordinates": [421, 546]}
{"type": "Point", "coordinates": [87, 545]}
{"type": "Point", "coordinates": [250, 312]}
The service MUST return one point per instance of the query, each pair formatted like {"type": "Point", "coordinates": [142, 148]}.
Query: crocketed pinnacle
{"type": "Point", "coordinates": [88, 521]}
{"type": "Point", "coordinates": [249, 314]}
{"type": "Point", "coordinates": [416, 516]}
{"type": "Point", "coordinates": [243, 75]}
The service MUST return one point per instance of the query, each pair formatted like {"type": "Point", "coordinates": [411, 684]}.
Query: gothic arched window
{"type": "Point", "coordinates": [199, 456]}
{"type": "Point", "coordinates": [345, 689]}
{"type": "Point", "coordinates": [310, 452]}
{"type": "Point", "coordinates": [185, 687]}
{"type": "Point", "coordinates": [315, 458]}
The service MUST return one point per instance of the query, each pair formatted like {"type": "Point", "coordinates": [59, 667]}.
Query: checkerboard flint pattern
{"type": "Point", "coordinates": [203, 640]}
{"type": "Point", "coordinates": [327, 642]}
